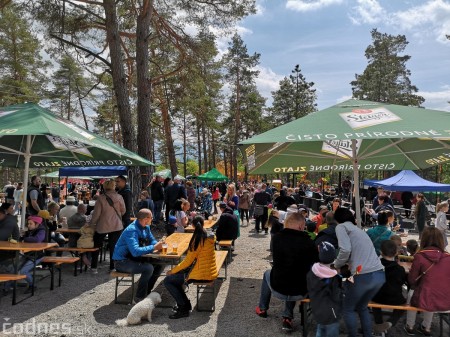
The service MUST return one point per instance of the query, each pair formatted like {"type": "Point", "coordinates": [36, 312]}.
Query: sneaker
{"type": "Point", "coordinates": [261, 313]}
{"type": "Point", "coordinates": [94, 271]}
{"type": "Point", "coordinates": [383, 327]}
{"type": "Point", "coordinates": [179, 314]}
{"type": "Point", "coordinates": [423, 331]}
{"type": "Point", "coordinates": [287, 325]}
{"type": "Point", "coordinates": [409, 331]}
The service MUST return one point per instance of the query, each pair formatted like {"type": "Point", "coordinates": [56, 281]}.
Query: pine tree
{"type": "Point", "coordinates": [294, 99]}
{"type": "Point", "coordinates": [241, 74]}
{"type": "Point", "coordinates": [22, 69]}
{"type": "Point", "coordinates": [386, 78]}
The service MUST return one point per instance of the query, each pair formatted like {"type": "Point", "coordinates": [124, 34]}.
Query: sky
{"type": "Point", "coordinates": [328, 38]}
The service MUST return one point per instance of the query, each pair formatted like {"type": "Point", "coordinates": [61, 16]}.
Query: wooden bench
{"type": "Point", "coordinates": [306, 311]}
{"type": "Point", "coordinates": [11, 277]}
{"type": "Point", "coordinates": [123, 279]}
{"type": "Point", "coordinates": [58, 261]}
{"type": "Point", "coordinates": [75, 251]}
{"type": "Point", "coordinates": [227, 244]}
{"type": "Point", "coordinates": [210, 287]}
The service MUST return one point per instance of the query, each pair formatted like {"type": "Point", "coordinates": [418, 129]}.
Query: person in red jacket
{"type": "Point", "coordinates": [430, 278]}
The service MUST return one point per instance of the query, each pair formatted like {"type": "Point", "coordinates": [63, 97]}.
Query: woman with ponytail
{"type": "Point", "coordinates": [198, 266]}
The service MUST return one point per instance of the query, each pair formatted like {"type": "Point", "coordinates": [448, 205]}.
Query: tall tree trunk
{"type": "Point", "coordinates": [143, 89]}
{"type": "Point", "coordinates": [205, 154]}
{"type": "Point", "coordinates": [199, 147]}
{"type": "Point", "coordinates": [168, 135]}
{"type": "Point", "coordinates": [82, 107]}
{"type": "Point", "coordinates": [118, 74]}
{"type": "Point", "coordinates": [237, 128]}
{"type": "Point", "coordinates": [184, 144]}
{"type": "Point", "coordinates": [213, 148]}
{"type": "Point", "coordinates": [225, 164]}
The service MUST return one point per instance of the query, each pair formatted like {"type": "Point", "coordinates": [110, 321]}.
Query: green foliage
{"type": "Point", "coordinates": [386, 78]}
{"type": "Point", "coordinates": [294, 99]}
{"type": "Point", "coordinates": [22, 69]}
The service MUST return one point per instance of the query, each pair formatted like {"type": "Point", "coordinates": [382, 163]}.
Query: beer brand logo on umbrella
{"type": "Point", "coordinates": [341, 148]}
{"type": "Point", "coordinates": [362, 118]}
{"type": "Point", "coordinates": [68, 144]}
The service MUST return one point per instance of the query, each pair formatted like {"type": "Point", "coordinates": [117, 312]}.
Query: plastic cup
{"type": "Point", "coordinates": [405, 231]}
{"type": "Point", "coordinates": [175, 248]}
{"type": "Point", "coordinates": [164, 248]}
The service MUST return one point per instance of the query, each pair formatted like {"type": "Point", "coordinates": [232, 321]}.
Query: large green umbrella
{"type": "Point", "coordinates": [32, 136]}
{"type": "Point", "coordinates": [353, 135]}
{"type": "Point", "coordinates": [212, 175]}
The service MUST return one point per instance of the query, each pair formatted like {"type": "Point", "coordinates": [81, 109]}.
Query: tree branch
{"type": "Point", "coordinates": [97, 56]}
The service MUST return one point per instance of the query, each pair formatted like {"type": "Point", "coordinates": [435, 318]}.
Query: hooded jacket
{"type": "Point", "coordinates": [391, 291]}
{"type": "Point", "coordinates": [326, 297]}
{"type": "Point", "coordinates": [431, 290]}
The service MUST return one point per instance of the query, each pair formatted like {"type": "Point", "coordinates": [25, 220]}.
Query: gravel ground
{"type": "Point", "coordinates": [84, 305]}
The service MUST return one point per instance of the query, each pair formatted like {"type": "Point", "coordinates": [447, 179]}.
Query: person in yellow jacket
{"type": "Point", "coordinates": [199, 265]}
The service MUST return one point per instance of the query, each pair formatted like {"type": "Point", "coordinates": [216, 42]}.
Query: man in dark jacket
{"type": "Point", "coordinates": [157, 194]}
{"type": "Point", "coordinates": [8, 230]}
{"type": "Point", "coordinates": [227, 226]}
{"type": "Point", "coordinates": [124, 190]}
{"type": "Point", "coordinates": [35, 198]}
{"type": "Point", "coordinates": [328, 234]}
{"type": "Point", "coordinates": [173, 193]}
{"type": "Point", "coordinates": [293, 255]}
{"type": "Point", "coordinates": [261, 199]}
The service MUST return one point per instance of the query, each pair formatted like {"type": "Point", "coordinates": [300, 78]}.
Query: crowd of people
{"type": "Point", "coordinates": [320, 254]}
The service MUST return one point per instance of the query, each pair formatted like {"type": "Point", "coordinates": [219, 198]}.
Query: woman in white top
{"type": "Point", "coordinates": [180, 214]}
{"type": "Point", "coordinates": [441, 219]}
{"type": "Point", "coordinates": [18, 192]}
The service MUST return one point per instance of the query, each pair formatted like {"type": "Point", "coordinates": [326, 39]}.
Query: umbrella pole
{"type": "Point", "coordinates": [27, 157]}
{"type": "Point", "coordinates": [356, 184]}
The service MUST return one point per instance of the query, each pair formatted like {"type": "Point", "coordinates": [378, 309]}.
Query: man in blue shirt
{"type": "Point", "coordinates": [135, 241]}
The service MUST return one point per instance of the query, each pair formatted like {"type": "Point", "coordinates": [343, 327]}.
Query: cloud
{"type": "Point", "coordinates": [431, 17]}
{"type": "Point", "coordinates": [223, 37]}
{"type": "Point", "coordinates": [307, 6]}
{"type": "Point", "coordinates": [437, 99]}
{"type": "Point", "coordinates": [367, 12]}
{"type": "Point", "coordinates": [267, 81]}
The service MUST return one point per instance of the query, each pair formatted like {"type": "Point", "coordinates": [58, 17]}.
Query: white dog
{"type": "Point", "coordinates": [141, 310]}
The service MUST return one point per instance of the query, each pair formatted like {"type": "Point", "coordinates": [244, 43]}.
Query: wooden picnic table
{"type": "Point", "coordinates": [206, 225]}
{"type": "Point", "coordinates": [24, 247]}
{"type": "Point", "coordinates": [182, 239]}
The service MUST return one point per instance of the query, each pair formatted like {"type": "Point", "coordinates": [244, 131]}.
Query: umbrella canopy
{"type": "Point", "coordinates": [408, 181]}
{"type": "Point", "coordinates": [212, 175]}
{"type": "Point", "coordinates": [387, 137]}
{"type": "Point", "coordinates": [55, 142]}
{"type": "Point", "coordinates": [353, 135]}
{"type": "Point", "coordinates": [163, 173]}
{"type": "Point", "coordinates": [32, 136]}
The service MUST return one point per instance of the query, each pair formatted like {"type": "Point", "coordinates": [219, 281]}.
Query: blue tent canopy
{"type": "Point", "coordinates": [101, 171]}
{"type": "Point", "coordinates": [407, 180]}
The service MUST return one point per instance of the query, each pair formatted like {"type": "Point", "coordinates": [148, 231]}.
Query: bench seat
{"type": "Point", "coordinates": [58, 261]}
{"type": "Point", "coordinates": [210, 287]}
{"type": "Point", "coordinates": [123, 279]}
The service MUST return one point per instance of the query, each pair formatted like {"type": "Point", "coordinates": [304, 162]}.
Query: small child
{"type": "Point", "coordinates": [412, 246]}
{"type": "Point", "coordinates": [325, 291]}
{"type": "Point", "coordinates": [86, 240]}
{"type": "Point", "coordinates": [311, 229]}
{"type": "Point", "coordinates": [398, 241]}
{"type": "Point", "coordinates": [391, 291]}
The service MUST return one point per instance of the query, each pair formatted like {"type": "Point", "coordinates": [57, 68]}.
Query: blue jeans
{"type": "Point", "coordinates": [27, 270]}
{"type": "Point", "coordinates": [328, 330]}
{"type": "Point", "coordinates": [266, 293]}
{"type": "Point", "coordinates": [148, 278]}
{"type": "Point", "coordinates": [174, 284]}
{"type": "Point", "coordinates": [357, 296]}
{"type": "Point", "coordinates": [158, 208]}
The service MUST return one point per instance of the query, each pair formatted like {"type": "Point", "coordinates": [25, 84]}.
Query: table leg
{"type": "Point", "coordinates": [34, 273]}
{"type": "Point", "coordinates": [16, 271]}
